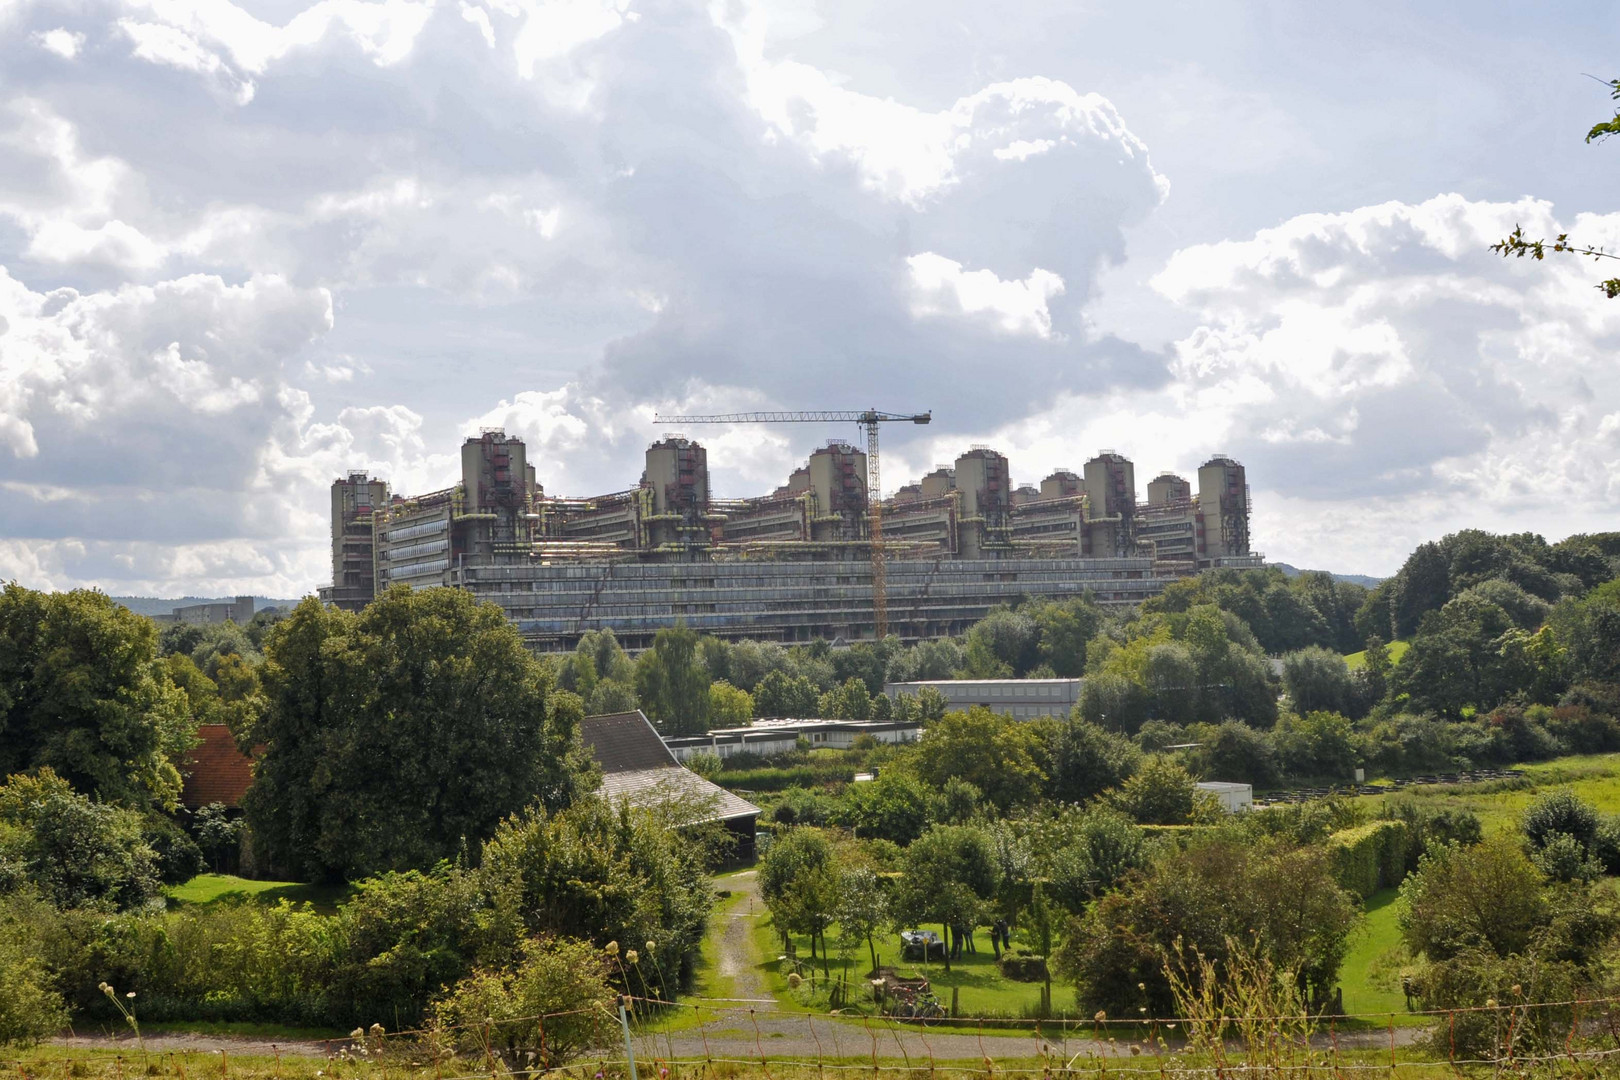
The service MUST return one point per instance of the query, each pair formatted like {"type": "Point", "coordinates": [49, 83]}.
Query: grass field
{"type": "Point", "coordinates": [1370, 976]}
{"type": "Point", "coordinates": [1594, 777]}
{"type": "Point", "coordinates": [212, 888]}
{"type": "Point", "coordinates": [981, 989]}
{"type": "Point", "coordinates": [1397, 649]}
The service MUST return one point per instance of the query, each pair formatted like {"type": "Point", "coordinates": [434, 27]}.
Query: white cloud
{"type": "Point", "coordinates": [1018, 307]}
{"type": "Point", "coordinates": [60, 42]}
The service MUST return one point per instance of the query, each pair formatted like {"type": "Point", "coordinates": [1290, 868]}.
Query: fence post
{"type": "Point", "coordinates": [629, 1050]}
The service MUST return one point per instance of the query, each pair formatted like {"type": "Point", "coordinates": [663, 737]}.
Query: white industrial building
{"type": "Point", "coordinates": [1233, 797]}
{"type": "Point", "coordinates": [779, 736]}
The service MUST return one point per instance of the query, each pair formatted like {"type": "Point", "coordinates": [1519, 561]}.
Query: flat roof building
{"type": "Point", "coordinates": [780, 736]}
{"type": "Point", "coordinates": [1021, 699]}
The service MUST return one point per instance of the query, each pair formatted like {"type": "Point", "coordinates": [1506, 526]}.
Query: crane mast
{"type": "Point", "coordinates": [868, 419]}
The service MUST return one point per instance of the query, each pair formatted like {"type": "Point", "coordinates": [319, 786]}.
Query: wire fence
{"type": "Point", "coordinates": [648, 1039]}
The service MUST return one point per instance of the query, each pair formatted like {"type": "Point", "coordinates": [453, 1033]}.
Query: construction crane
{"type": "Point", "coordinates": [868, 419]}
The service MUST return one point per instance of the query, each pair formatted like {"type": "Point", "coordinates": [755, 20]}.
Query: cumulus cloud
{"type": "Point", "coordinates": [1385, 379]}
{"type": "Point", "coordinates": [243, 255]}
{"type": "Point", "coordinates": [60, 42]}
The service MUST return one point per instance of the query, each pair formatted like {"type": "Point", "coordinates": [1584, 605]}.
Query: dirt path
{"type": "Point", "coordinates": [739, 957]}
{"type": "Point", "coordinates": [183, 1043]}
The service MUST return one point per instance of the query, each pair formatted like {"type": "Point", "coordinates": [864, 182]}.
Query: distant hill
{"type": "Point", "coordinates": [1366, 581]}
{"type": "Point", "coordinates": [157, 605]}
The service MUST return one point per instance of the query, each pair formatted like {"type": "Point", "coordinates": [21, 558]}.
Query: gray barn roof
{"type": "Point", "coordinates": [636, 765]}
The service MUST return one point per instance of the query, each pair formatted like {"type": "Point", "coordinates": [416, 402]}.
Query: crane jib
{"type": "Point", "coordinates": [868, 419]}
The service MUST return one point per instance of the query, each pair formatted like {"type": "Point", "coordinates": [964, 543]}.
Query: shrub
{"type": "Point", "coordinates": [705, 764]}
{"type": "Point", "coordinates": [73, 850]}
{"type": "Point", "coordinates": [1560, 811]}
{"type": "Point", "coordinates": [505, 1005]}
{"type": "Point", "coordinates": [1219, 890]}
{"type": "Point", "coordinates": [179, 859]}
{"type": "Point", "coordinates": [1022, 967]}
{"type": "Point", "coordinates": [606, 873]}
{"type": "Point", "coordinates": [1159, 793]}
{"type": "Point", "coordinates": [1563, 858]}
{"type": "Point", "coordinates": [30, 1009]}
{"type": "Point", "coordinates": [1370, 857]}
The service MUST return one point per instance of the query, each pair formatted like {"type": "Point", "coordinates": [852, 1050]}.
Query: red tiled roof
{"type": "Point", "coordinates": [216, 771]}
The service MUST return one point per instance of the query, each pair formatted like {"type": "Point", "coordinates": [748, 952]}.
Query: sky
{"type": "Point", "coordinates": [247, 247]}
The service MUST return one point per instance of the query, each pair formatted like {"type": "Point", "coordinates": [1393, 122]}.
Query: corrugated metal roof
{"type": "Point", "coordinates": [624, 741]}
{"type": "Point", "coordinates": [636, 765]}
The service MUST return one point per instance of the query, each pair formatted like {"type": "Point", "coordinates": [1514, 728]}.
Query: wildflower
{"type": "Point", "coordinates": [632, 957]}
{"type": "Point", "coordinates": [794, 979]}
{"type": "Point", "coordinates": [377, 1031]}
{"type": "Point", "coordinates": [1100, 1016]}
{"type": "Point", "coordinates": [652, 946]}
{"type": "Point", "coordinates": [1141, 986]}
{"type": "Point", "coordinates": [132, 993]}
{"type": "Point", "coordinates": [611, 948]}
{"type": "Point", "coordinates": [1516, 989]}
{"type": "Point", "coordinates": [358, 1033]}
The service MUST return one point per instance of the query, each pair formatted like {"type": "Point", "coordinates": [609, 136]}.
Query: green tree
{"type": "Point", "coordinates": [1004, 644]}
{"type": "Point", "coordinates": [1282, 902]}
{"type": "Point", "coordinates": [779, 694]}
{"type": "Point", "coordinates": [931, 704]}
{"type": "Point", "coordinates": [799, 881]}
{"type": "Point", "coordinates": [1486, 896]}
{"type": "Point", "coordinates": [673, 682]}
{"type": "Point", "coordinates": [217, 834]}
{"type": "Point", "coordinates": [1423, 585]}
{"type": "Point", "coordinates": [994, 753]}
{"type": "Point", "coordinates": [1374, 674]}
{"type": "Point", "coordinates": [896, 807]}
{"type": "Point", "coordinates": [432, 682]}
{"type": "Point", "coordinates": [84, 693]}
{"type": "Point", "coordinates": [847, 702]}
{"type": "Point", "coordinates": [862, 908]}
{"type": "Point", "coordinates": [74, 851]}
{"type": "Point", "coordinates": [1160, 792]}
{"type": "Point", "coordinates": [729, 706]}
{"type": "Point", "coordinates": [1087, 761]}
{"type": "Point", "coordinates": [1065, 627]}
{"type": "Point", "coordinates": [950, 873]}
{"type": "Point", "coordinates": [1318, 679]}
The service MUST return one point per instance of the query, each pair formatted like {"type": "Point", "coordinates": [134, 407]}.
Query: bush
{"type": "Point", "coordinates": [1218, 891]}
{"type": "Point", "coordinates": [503, 1005]}
{"type": "Point", "coordinates": [179, 859]}
{"type": "Point", "coordinates": [1370, 857]}
{"type": "Point", "coordinates": [30, 1009]}
{"type": "Point", "coordinates": [1563, 858]}
{"type": "Point", "coordinates": [1159, 793]}
{"type": "Point", "coordinates": [1428, 826]}
{"type": "Point", "coordinates": [1022, 967]}
{"type": "Point", "coordinates": [705, 764]}
{"type": "Point", "coordinates": [73, 850]}
{"type": "Point", "coordinates": [1560, 812]}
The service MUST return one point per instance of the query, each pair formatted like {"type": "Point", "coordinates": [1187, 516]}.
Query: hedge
{"type": "Point", "coordinates": [1370, 857]}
